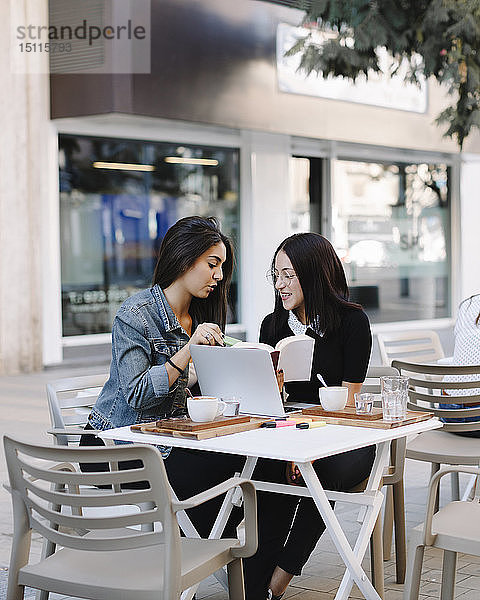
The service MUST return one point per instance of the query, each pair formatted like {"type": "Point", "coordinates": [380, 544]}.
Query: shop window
{"type": "Point", "coordinates": [305, 199]}
{"type": "Point", "coordinates": [299, 217]}
{"type": "Point", "coordinates": [117, 199]}
{"type": "Point", "coordinates": [390, 227]}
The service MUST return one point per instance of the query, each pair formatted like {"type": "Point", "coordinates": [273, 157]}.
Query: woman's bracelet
{"type": "Point", "coordinates": [170, 362]}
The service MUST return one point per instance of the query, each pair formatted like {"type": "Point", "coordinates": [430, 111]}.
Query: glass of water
{"type": "Point", "coordinates": [394, 397]}
{"type": "Point", "coordinates": [232, 406]}
{"type": "Point", "coordinates": [364, 404]}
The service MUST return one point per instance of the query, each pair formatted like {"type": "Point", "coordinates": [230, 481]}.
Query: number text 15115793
{"type": "Point", "coordinates": [52, 47]}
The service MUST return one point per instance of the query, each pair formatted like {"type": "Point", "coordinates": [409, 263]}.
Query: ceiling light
{"type": "Point", "coordinates": [206, 162]}
{"type": "Point", "coordinates": [122, 166]}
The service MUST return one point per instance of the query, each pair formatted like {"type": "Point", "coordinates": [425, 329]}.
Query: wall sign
{"type": "Point", "coordinates": [381, 89]}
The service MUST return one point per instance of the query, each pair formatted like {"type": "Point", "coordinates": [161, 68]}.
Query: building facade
{"type": "Point", "coordinates": [223, 125]}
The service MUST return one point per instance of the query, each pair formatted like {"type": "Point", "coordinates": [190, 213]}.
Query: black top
{"type": "Point", "coordinates": [341, 355]}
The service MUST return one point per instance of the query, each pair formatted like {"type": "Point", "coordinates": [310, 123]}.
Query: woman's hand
{"type": "Point", "coordinates": [293, 475]}
{"type": "Point", "coordinates": [280, 380]}
{"type": "Point", "coordinates": [207, 334]}
{"type": "Point", "coordinates": [353, 388]}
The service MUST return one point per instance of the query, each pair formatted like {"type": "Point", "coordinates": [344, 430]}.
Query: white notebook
{"type": "Point", "coordinates": [295, 355]}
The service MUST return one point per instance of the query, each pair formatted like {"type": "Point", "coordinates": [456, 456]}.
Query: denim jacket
{"type": "Point", "coordinates": [145, 333]}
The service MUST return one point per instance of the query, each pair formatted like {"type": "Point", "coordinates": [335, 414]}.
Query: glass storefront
{"type": "Point", "coordinates": [299, 209]}
{"type": "Point", "coordinates": [117, 199]}
{"type": "Point", "coordinates": [390, 227]}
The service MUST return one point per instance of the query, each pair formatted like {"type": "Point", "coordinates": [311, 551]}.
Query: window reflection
{"type": "Point", "coordinates": [299, 208]}
{"type": "Point", "coordinates": [113, 217]}
{"type": "Point", "coordinates": [390, 226]}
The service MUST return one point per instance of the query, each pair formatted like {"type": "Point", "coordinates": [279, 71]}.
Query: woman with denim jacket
{"type": "Point", "coordinates": [153, 329]}
{"type": "Point", "coordinates": [151, 337]}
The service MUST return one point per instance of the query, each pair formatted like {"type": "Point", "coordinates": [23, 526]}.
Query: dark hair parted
{"type": "Point", "coordinates": [182, 245]}
{"type": "Point", "coordinates": [321, 277]}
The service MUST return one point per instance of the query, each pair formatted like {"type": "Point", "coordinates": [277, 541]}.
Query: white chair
{"type": "Point", "coordinates": [426, 391]}
{"type": "Point", "coordinates": [454, 528]}
{"type": "Point", "coordinates": [69, 404]}
{"type": "Point", "coordinates": [106, 558]}
{"type": "Point", "coordinates": [381, 544]}
{"type": "Point", "coordinates": [411, 346]}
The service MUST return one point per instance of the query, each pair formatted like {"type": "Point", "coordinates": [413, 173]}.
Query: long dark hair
{"type": "Point", "coordinates": [183, 243]}
{"type": "Point", "coordinates": [321, 277]}
{"type": "Point", "coordinates": [470, 300]}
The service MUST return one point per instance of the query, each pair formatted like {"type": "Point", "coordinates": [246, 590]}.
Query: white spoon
{"type": "Point", "coordinates": [322, 380]}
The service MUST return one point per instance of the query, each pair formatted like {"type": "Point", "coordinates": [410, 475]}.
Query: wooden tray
{"type": "Point", "coordinates": [186, 424]}
{"type": "Point", "coordinates": [203, 434]}
{"type": "Point", "coordinates": [412, 417]}
{"type": "Point", "coordinates": [347, 413]}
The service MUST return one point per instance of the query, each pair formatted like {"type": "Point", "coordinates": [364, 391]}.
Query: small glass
{"type": "Point", "coordinates": [394, 397]}
{"type": "Point", "coordinates": [232, 406]}
{"type": "Point", "coordinates": [364, 404]}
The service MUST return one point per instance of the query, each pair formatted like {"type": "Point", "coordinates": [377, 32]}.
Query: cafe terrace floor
{"type": "Point", "coordinates": [24, 413]}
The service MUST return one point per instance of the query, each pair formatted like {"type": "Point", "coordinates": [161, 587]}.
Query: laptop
{"type": "Point", "coordinates": [246, 373]}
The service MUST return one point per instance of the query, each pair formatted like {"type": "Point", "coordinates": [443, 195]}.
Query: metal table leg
{"type": "Point", "coordinates": [351, 557]}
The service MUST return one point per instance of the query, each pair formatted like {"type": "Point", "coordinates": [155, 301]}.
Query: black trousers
{"type": "Point", "coordinates": [191, 472]}
{"type": "Point", "coordinates": [340, 473]}
{"type": "Point", "coordinates": [288, 528]}
{"type": "Point", "coordinates": [473, 434]}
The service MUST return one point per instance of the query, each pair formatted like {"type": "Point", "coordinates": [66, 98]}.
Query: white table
{"type": "Point", "coordinates": [302, 446]}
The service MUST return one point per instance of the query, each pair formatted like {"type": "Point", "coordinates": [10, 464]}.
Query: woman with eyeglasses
{"type": "Point", "coordinates": [311, 297]}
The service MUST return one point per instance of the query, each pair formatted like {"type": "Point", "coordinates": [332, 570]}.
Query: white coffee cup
{"type": "Point", "coordinates": [333, 398]}
{"type": "Point", "coordinates": [204, 408]}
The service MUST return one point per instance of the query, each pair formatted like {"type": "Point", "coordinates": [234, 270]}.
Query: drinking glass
{"type": "Point", "coordinates": [364, 404]}
{"type": "Point", "coordinates": [232, 406]}
{"type": "Point", "coordinates": [394, 397]}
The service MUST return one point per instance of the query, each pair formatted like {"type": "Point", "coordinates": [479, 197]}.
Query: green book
{"type": "Point", "coordinates": [230, 341]}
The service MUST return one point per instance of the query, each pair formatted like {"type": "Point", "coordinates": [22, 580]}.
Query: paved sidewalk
{"type": "Point", "coordinates": [24, 413]}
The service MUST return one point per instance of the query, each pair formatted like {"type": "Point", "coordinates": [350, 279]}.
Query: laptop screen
{"type": "Point", "coordinates": [246, 373]}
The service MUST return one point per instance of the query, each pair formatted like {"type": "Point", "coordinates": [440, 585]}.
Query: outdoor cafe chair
{"type": "Point", "coordinates": [394, 514]}
{"type": "Point", "coordinates": [422, 346]}
{"type": "Point", "coordinates": [103, 558]}
{"type": "Point", "coordinates": [454, 528]}
{"type": "Point", "coordinates": [69, 403]}
{"type": "Point", "coordinates": [427, 389]}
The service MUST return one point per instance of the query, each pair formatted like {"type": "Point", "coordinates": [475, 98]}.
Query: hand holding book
{"type": "Point", "coordinates": [295, 355]}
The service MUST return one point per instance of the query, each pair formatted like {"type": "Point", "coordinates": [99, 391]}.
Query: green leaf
{"type": "Point", "coordinates": [446, 33]}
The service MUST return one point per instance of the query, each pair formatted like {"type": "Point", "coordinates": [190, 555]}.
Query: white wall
{"type": "Point", "coordinates": [264, 219]}
{"type": "Point", "coordinates": [470, 226]}
{"type": "Point", "coordinates": [25, 168]}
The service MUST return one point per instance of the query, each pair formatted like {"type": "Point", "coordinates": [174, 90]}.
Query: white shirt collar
{"type": "Point", "coordinates": [297, 326]}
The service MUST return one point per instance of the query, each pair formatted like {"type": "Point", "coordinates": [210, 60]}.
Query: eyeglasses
{"type": "Point", "coordinates": [286, 277]}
